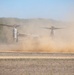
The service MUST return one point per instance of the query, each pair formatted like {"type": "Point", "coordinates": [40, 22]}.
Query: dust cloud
{"type": "Point", "coordinates": [42, 44]}
{"type": "Point", "coordinates": [63, 40]}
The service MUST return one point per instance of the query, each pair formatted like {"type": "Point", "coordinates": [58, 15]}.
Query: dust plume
{"type": "Point", "coordinates": [44, 44]}
{"type": "Point", "coordinates": [63, 40]}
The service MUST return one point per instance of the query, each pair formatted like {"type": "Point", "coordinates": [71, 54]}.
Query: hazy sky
{"type": "Point", "coordinates": [54, 9]}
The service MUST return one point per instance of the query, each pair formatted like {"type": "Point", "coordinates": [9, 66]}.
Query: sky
{"type": "Point", "coordinates": [52, 9]}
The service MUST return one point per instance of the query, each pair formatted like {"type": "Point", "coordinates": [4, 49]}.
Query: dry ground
{"type": "Point", "coordinates": [37, 67]}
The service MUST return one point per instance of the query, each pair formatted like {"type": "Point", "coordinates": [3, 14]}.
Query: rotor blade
{"type": "Point", "coordinates": [5, 25]}
{"type": "Point", "coordinates": [9, 25]}
{"type": "Point", "coordinates": [58, 28]}
{"type": "Point", "coordinates": [16, 25]}
{"type": "Point", "coordinates": [46, 27]}
{"type": "Point", "coordinates": [22, 35]}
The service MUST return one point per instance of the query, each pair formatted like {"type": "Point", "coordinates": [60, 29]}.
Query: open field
{"type": "Point", "coordinates": [36, 63]}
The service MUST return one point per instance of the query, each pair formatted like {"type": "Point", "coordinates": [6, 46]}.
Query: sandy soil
{"type": "Point", "coordinates": [37, 67]}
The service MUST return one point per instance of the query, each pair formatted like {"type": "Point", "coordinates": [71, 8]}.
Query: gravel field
{"type": "Point", "coordinates": [37, 66]}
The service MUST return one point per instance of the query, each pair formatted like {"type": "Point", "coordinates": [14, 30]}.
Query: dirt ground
{"type": "Point", "coordinates": [36, 67]}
